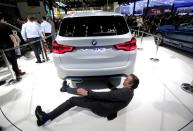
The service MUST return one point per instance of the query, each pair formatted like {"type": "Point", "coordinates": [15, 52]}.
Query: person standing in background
{"type": "Point", "coordinates": [9, 41]}
{"type": "Point", "coordinates": [46, 28]}
{"type": "Point", "coordinates": [139, 21]}
{"type": "Point", "coordinates": [53, 28]}
{"type": "Point", "coordinates": [37, 22]}
{"type": "Point", "coordinates": [31, 32]}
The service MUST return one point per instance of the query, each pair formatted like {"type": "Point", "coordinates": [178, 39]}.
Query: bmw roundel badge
{"type": "Point", "coordinates": [94, 42]}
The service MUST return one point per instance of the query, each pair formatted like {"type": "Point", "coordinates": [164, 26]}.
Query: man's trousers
{"type": "Point", "coordinates": [73, 101]}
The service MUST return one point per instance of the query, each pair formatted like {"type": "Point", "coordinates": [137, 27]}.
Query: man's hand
{"type": "Point", "coordinates": [12, 37]}
{"type": "Point", "coordinates": [82, 92]}
{"type": "Point", "coordinates": [16, 44]}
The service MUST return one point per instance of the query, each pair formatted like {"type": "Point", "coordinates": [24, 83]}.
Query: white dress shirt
{"type": "Point", "coordinates": [46, 27]}
{"type": "Point", "coordinates": [31, 30]}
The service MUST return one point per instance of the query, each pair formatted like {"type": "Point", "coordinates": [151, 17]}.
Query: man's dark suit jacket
{"type": "Point", "coordinates": [106, 103]}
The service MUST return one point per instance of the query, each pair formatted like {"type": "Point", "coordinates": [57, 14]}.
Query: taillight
{"type": "Point", "coordinates": [127, 46]}
{"type": "Point", "coordinates": [60, 49]}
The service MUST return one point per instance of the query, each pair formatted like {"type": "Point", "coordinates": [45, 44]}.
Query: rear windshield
{"type": "Point", "coordinates": [93, 26]}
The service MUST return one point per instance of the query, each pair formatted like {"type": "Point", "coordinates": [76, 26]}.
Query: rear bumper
{"type": "Point", "coordinates": [69, 73]}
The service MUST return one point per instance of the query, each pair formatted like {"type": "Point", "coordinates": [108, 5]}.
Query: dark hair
{"type": "Point", "coordinates": [31, 18]}
{"type": "Point", "coordinates": [135, 81]}
{"type": "Point", "coordinates": [43, 17]}
{"type": "Point", "coordinates": [1, 16]}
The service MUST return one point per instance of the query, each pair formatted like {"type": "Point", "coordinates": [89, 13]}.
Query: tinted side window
{"type": "Point", "coordinates": [93, 26]}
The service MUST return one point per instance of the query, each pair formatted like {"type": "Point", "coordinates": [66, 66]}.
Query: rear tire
{"type": "Point", "coordinates": [158, 41]}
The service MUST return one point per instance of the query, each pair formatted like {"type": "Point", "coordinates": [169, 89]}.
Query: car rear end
{"type": "Point", "coordinates": [94, 45]}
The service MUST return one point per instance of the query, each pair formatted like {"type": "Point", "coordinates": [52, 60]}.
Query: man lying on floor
{"type": "Point", "coordinates": [105, 104]}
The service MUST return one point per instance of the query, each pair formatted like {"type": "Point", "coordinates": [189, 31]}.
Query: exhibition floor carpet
{"type": "Point", "coordinates": [159, 103]}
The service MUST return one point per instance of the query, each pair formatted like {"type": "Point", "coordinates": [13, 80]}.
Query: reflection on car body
{"type": "Point", "coordinates": [180, 36]}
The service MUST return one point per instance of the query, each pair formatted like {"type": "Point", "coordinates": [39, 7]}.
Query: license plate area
{"type": "Point", "coordinates": [95, 49]}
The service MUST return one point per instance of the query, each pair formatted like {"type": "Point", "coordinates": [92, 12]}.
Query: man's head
{"type": "Point", "coordinates": [132, 81]}
{"type": "Point", "coordinates": [30, 18]}
{"type": "Point", "coordinates": [43, 18]}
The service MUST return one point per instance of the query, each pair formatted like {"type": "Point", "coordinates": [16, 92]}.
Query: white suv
{"type": "Point", "coordinates": [94, 43]}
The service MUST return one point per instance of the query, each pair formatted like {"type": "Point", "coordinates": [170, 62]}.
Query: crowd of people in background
{"type": "Point", "coordinates": [151, 23]}
{"type": "Point", "coordinates": [55, 22]}
{"type": "Point", "coordinates": [32, 29]}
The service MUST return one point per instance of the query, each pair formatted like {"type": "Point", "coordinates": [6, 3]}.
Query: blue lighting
{"type": "Point", "coordinates": [141, 4]}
